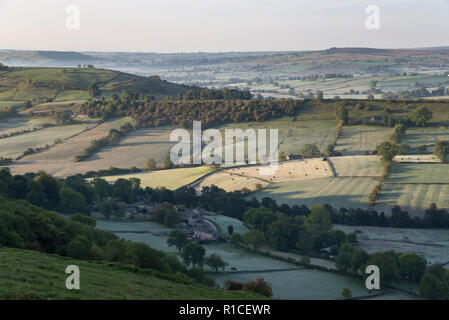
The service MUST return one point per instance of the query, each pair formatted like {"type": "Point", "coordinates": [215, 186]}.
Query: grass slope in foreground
{"type": "Point", "coordinates": [28, 274]}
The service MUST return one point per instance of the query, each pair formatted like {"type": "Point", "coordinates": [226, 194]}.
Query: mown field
{"type": "Point", "coordinates": [414, 187]}
{"type": "Point", "coordinates": [59, 159]}
{"type": "Point", "coordinates": [135, 149]}
{"type": "Point", "coordinates": [357, 166]}
{"type": "Point", "coordinates": [419, 173]}
{"type": "Point", "coordinates": [28, 274]}
{"type": "Point", "coordinates": [414, 198]}
{"type": "Point", "coordinates": [338, 192]}
{"type": "Point", "coordinates": [358, 140]}
{"type": "Point", "coordinates": [170, 179]}
{"type": "Point", "coordinates": [231, 182]}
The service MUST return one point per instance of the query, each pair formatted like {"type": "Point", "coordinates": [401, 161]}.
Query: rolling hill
{"type": "Point", "coordinates": [57, 84]}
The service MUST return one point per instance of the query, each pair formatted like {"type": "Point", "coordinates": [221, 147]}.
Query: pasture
{"type": "Point", "coordinates": [21, 123]}
{"type": "Point", "coordinates": [357, 166]}
{"type": "Point", "coordinates": [427, 136]}
{"type": "Point", "coordinates": [170, 179]}
{"type": "Point", "coordinates": [338, 192]}
{"type": "Point", "coordinates": [135, 149]}
{"type": "Point", "coordinates": [13, 147]}
{"type": "Point", "coordinates": [294, 134]}
{"type": "Point", "coordinates": [358, 140]}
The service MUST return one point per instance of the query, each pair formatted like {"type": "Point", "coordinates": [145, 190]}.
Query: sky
{"type": "Point", "coordinates": [220, 26]}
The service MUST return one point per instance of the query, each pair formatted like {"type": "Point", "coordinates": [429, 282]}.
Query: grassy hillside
{"type": "Point", "coordinates": [31, 275]}
{"type": "Point", "coordinates": [72, 84]}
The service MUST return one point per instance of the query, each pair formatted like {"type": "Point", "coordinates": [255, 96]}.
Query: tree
{"type": "Point", "coordinates": [72, 201]}
{"type": "Point", "coordinates": [236, 239]}
{"type": "Point", "coordinates": [177, 239]}
{"type": "Point", "coordinates": [432, 288]}
{"type": "Point", "coordinates": [93, 90]}
{"type": "Point", "coordinates": [388, 150]}
{"type": "Point", "coordinates": [309, 151]}
{"type": "Point", "coordinates": [319, 220]}
{"type": "Point", "coordinates": [193, 254]}
{"type": "Point", "coordinates": [344, 257]}
{"type": "Point", "coordinates": [168, 164]}
{"type": "Point", "coordinates": [342, 114]}
{"type": "Point", "coordinates": [215, 261]}
{"type": "Point", "coordinates": [420, 116]}
{"type": "Point", "coordinates": [442, 150]}
{"type": "Point", "coordinates": [79, 247]}
{"type": "Point", "coordinates": [254, 238]}
{"type": "Point", "coordinates": [359, 261]}
{"type": "Point", "coordinates": [388, 266]}
{"type": "Point", "coordinates": [151, 165]}
{"type": "Point", "coordinates": [412, 266]}
{"type": "Point", "coordinates": [346, 293]}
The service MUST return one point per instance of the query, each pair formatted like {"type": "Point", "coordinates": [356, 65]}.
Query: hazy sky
{"type": "Point", "coordinates": [226, 25]}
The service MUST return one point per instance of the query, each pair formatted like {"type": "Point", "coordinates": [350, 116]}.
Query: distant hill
{"type": "Point", "coordinates": [32, 58]}
{"type": "Point", "coordinates": [58, 84]}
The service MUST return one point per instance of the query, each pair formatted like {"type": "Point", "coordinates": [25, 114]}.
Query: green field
{"type": "Point", "coordinates": [427, 136]}
{"type": "Point", "coordinates": [357, 140]}
{"type": "Point", "coordinates": [20, 123]}
{"type": "Point", "coordinates": [136, 148]}
{"type": "Point", "coordinates": [338, 192]}
{"type": "Point", "coordinates": [170, 179]}
{"type": "Point", "coordinates": [15, 146]}
{"type": "Point", "coordinates": [32, 275]}
{"type": "Point", "coordinates": [294, 134]}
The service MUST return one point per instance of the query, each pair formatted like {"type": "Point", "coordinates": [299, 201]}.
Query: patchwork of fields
{"type": "Point", "coordinates": [59, 159]}
{"type": "Point", "coordinates": [14, 147]}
